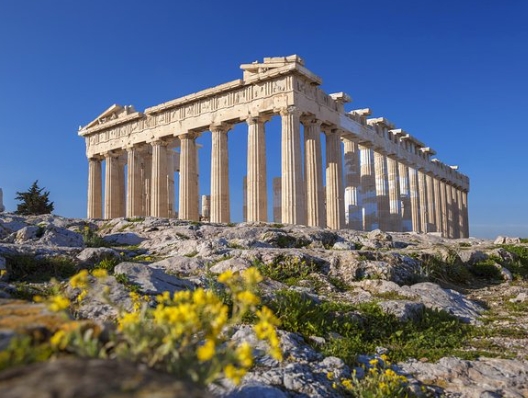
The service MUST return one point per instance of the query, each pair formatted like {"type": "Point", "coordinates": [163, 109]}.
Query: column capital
{"type": "Point", "coordinates": [97, 158]}
{"type": "Point", "coordinates": [289, 110]}
{"type": "Point", "coordinates": [260, 118]}
{"type": "Point", "coordinates": [307, 120]}
{"type": "Point", "coordinates": [189, 135]}
{"type": "Point", "coordinates": [220, 127]}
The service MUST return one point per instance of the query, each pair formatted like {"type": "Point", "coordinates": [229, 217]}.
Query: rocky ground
{"type": "Point", "coordinates": [480, 282]}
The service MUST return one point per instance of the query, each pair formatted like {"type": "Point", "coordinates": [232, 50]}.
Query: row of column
{"type": "Point", "coordinates": [382, 192]}
{"type": "Point", "coordinates": [374, 191]}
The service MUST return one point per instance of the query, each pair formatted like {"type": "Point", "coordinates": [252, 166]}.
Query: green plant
{"type": "Point", "coordinates": [34, 201]}
{"type": "Point", "coordinates": [92, 239]}
{"type": "Point", "coordinates": [450, 270]}
{"type": "Point", "coordinates": [191, 254]}
{"type": "Point", "coordinates": [287, 269]}
{"type": "Point", "coordinates": [135, 219]}
{"type": "Point", "coordinates": [108, 264]}
{"type": "Point", "coordinates": [28, 268]}
{"type": "Point", "coordinates": [519, 266]}
{"type": "Point", "coordinates": [486, 269]}
{"type": "Point", "coordinates": [187, 334]}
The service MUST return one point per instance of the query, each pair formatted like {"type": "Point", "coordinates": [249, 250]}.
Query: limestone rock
{"type": "Point", "coordinates": [93, 255]}
{"type": "Point", "coordinates": [124, 239]}
{"type": "Point", "coordinates": [180, 265]}
{"type": "Point", "coordinates": [58, 236]}
{"type": "Point", "coordinates": [474, 379]}
{"type": "Point", "coordinates": [233, 264]}
{"type": "Point", "coordinates": [404, 310]}
{"type": "Point", "coordinates": [93, 378]}
{"type": "Point", "coordinates": [151, 280]}
{"type": "Point", "coordinates": [433, 296]}
{"type": "Point", "coordinates": [506, 240]}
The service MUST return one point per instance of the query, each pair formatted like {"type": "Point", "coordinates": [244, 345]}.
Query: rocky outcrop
{"type": "Point", "coordinates": [155, 255]}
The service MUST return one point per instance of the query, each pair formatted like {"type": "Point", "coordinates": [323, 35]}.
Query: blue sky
{"type": "Point", "coordinates": [452, 73]}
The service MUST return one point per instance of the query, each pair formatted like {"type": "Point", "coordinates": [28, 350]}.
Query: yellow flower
{"type": "Point", "coordinates": [127, 320]}
{"type": "Point", "coordinates": [59, 340]}
{"type": "Point", "coordinates": [58, 303]}
{"type": "Point", "coordinates": [225, 276]}
{"type": "Point", "coordinates": [330, 375]}
{"type": "Point", "coordinates": [385, 358]}
{"type": "Point", "coordinates": [79, 280]}
{"type": "Point", "coordinates": [252, 276]}
{"type": "Point", "coordinates": [248, 298]}
{"type": "Point", "coordinates": [234, 374]}
{"type": "Point", "coordinates": [82, 295]}
{"type": "Point", "coordinates": [347, 383]}
{"type": "Point", "coordinates": [373, 362]}
{"type": "Point", "coordinates": [206, 351]}
{"type": "Point", "coordinates": [100, 273]}
{"type": "Point", "coordinates": [244, 354]}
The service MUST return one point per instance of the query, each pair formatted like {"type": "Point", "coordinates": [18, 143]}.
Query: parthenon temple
{"type": "Point", "coordinates": [374, 175]}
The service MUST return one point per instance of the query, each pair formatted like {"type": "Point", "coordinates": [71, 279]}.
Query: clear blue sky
{"type": "Point", "coordinates": [452, 73]}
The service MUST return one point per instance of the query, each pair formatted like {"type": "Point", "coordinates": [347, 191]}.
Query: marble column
{"type": "Point", "coordinates": [159, 194]}
{"type": "Point", "coordinates": [353, 216]}
{"type": "Point", "coordinates": [95, 188]}
{"type": "Point", "coordinates": [293, 209]}
{"type": "Point", "coordinates": [206, 207]}
{"type": "Point", "coordinates": [313, 173]}
{"type": "Point", "coordinates": [395, 203]}
{"type": "Point", "coordinates": [407, 224]}
{"type": "Point", "coordinates": [465, 229]}
{"type": "Point", "coordinates": [134, 201]}
{"type": "Point", "coordinates": [257, 191]}
{"type": "Point", "coordinates": [219, 174]}
{"type": "Point", "coordinates": [188, 198]}
{"type": "Point", "coordinates": [146, 178]}
{"type": "Point", "coordinates": [277, 200]}
{"type": "Point", "coordinates": [335, 217]}
{"type": "Point", "coordinates": [438, 206]}
{"type": "Point", "coordinates": [114, 196]}
{"type": "Point", "coordinates": [171, 160]}
{"type": "Point", "coordinates": [431, 212]}
{"type": "Point", "coordinates": [382, 191]}
{"type": "Point", "coordinates": [444, 209]}
{"type": "Point", "coordinates": [415, 200]}
{"type": "Point", "coordinates": [457, 199]}
{"type": "Point", "coordinates": [423, 201]}
{"type": "Point", "coordinates": [368, 189]}
{"type": "Point", "coordinates": [450, 212]}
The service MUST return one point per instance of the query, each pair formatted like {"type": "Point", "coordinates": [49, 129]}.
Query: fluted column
{"type": "Point", "coordinates": [450, 212]}
{"type": "Point", "coordinates": [171, 159]}
{"type": "Point", "coordinates": [445, 209]}
{"type": "Point", "coordinates": [293, 209]}
{"type": "Point", "coordinates": [114, 196]}
{"type": "Point", "coordinates": [257, 191]}
{"type": "Point", "coordinates": [368, 189]}
{"type": "Point", "coordinates": [95, 188]}
{"type": "Point", "coordinates": [188, 209]}
{"type": "Point", "coordinates": [415, 200]}
{"type": "Point", "coordinates": [334, 181]}
{"type": "Point", "coordinates": [407, 224]}
{"type": "Point", "coordinates": [313, 173]}
{"type": "Point", "coordinates": [431, 212]}
{"type": "Point", "coordinates": [146, 178]}
{"type": "Point", "coordinates": [438, 205]}
{"type": "Point", "coordinates": [352, 177]}
{"type": "Point", "coordinates": [134, 189]}
{"type": "Point", "coordinates": [219, 174]}
{"type": "Point", "coordinates": [159, 192]}
{"type": "Point", "coordinates": [423, 201]}
{"type": "Point", "coordinates": [465, 229]}
{"type": "Point", "coordinates": [395, 203]}
{"type": "Point", "coordinates": [460, 214]}
{"type": "Point", "coordinates": [382, 191]}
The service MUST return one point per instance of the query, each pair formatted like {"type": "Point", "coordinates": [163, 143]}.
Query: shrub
{"type": "Point", "coordinates": [287, 269]}
{"type": "Point", "coordinates": [187, 334]}
{"type": "Point", "coordinates": [28, 268]}
{"type": "Point", "coordinates": [34, 201]}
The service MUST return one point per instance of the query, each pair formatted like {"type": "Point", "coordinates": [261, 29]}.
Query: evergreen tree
{"type": "Point", "coordinates": [34, 201]}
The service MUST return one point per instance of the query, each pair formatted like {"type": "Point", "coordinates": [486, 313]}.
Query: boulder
{"type": "Point", "coordinates": [123, 239]}
{"type": "Point", "coordinates": [180, 265]}
{"type": "Point", "coordinates": [506, 240]}
{"type": "Point", "coordinates": [93, 378]}
{"type": "Point", "coordinates": [152, 281]}
{"type": "Point", "coordinates": [404, 310]}
{"type": "Point", "coordinates": [62, 237]}
{"type": "Point", "coordinates": [93, 255]}
{"type": "Point", "coordinates": [27, 233]}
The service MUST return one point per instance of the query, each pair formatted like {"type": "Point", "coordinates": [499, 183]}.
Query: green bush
{"type": "Point", "coordinates": [287, 269]}
{"type": "Point", "coordinates": [27, 268]}
{"type": "Point", "coordinates": [358, 329]}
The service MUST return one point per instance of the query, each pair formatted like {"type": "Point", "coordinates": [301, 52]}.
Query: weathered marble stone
{"type": "Point", "coordinates": [151, 280]}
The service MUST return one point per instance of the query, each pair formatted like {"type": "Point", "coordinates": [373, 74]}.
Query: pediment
{"type": "Point", "coordinates": [114, 112]}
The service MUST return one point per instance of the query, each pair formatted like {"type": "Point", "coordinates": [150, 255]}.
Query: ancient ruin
{"type": "Point", "coordinates": [377, 175]}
